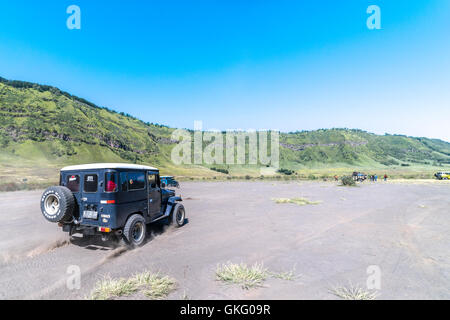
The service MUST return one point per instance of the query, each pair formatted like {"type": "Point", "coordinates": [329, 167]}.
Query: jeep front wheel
{"type": "Point", "coordinates": [179, 214]}
{"type": "Point", "coordinates": [135, 230]}
{"type": "Point", "coordinates": [57, 204]}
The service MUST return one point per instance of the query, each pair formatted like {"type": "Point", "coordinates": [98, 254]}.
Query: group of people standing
{"type": "Point", "coordinates": [374, 177]}
{"type": "Point", "coordinates": [361, 177]}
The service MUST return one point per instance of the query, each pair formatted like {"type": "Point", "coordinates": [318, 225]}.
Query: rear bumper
{"type": "Point", "coordinates": [89, 230]}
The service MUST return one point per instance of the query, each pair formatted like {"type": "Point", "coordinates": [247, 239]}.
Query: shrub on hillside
{"type": "Point", "coordinates": [225, 171]}
{"type": "Point", "coordinates": [286, 171]}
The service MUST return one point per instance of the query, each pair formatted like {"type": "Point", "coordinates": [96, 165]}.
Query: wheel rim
{"type": "Point", "coordinates": [138, 232]}
{"type": "Point", "coordinates": [51, 205]}
{"type": "Point", "coordinates": [180, 215]}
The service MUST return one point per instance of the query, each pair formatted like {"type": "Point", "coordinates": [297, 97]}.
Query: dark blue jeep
{"type": "Point", "coordinates": [170, 181]}
{"type": "Point", "coordinates": [111, 199]}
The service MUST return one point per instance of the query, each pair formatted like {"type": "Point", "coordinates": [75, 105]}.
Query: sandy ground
{"type": "Point", "coordinates": [402, 228]}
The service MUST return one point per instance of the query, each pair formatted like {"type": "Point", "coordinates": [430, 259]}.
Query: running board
{"type": "Point", "coordinates": [166, 214]}
{"type": "Point", "coordinates": [170, 204]}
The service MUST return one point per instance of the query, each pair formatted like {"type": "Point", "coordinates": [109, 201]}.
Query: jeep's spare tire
{"type": "Point", "coordinates": [57, 204]}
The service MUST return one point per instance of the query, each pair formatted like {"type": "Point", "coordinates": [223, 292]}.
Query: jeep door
{"type": "Point", "coordinates": [90, 197]}
{"type": "Point", "coordinates": [72, 180]}
{"type": "Point", "coordinates": [154, 194]}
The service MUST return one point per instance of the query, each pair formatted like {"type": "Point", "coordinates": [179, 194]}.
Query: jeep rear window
{"type": "Point", "coordinates": [136, 180]}
{"type": "Point", "coordinates": [110, 182]}
{"type": "Point", "coordinates": [73, 183]}
{"type": "Point", "coordinates": [90, 183]}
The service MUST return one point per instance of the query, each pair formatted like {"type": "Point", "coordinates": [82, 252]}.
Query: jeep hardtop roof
{"type": "Point", "coordinates": [108, 166]}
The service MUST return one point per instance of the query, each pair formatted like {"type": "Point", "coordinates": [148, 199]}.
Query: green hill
{"type": "Point", "coordinates": [43, 128]}
{"type": "Point", "coordinates": [357, 147]}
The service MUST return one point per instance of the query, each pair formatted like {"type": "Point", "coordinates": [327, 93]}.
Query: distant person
{"type": "Point", "coordinates": [376, 178]}
{"type": "Point", "coordinates": [336, 177]}
{"type": "Point", "coordinates": [385, 177]}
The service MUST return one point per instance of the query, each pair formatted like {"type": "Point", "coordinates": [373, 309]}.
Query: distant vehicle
{"type": "Point", "coordinates": [442, 175]}
{"type": "Point", "coordinates": [358, 176]}
{"type": "Point", "coordinates": [170, 181]}
{"type": "Point", "coordinates": [111, 199]}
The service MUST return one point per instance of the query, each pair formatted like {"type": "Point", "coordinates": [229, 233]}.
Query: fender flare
{"type": "Point", "coordinates": [171, 202]}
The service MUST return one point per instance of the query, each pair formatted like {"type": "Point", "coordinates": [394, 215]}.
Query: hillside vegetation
{"type": "Point", "coordinates": [43, 128]}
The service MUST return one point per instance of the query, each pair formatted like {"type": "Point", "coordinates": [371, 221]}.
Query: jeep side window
{"type": "Point", "coordinates": [110, 182]}
{"type": "Point", "coordinates": [73, 183]}
{"type": "Point", "coordinates": [152, 181]}
{"type": "Point", "coordinates": [90, 183]}
{"type": "Point", "coordinates": [124, 181]}
{"type": "Point", "coordinates": [136, 180]}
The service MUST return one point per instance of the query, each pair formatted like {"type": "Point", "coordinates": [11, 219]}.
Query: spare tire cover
{"type": "Point", "coordinates": [57, 204]}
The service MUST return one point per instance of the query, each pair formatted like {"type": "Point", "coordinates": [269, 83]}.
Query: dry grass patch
{"type": "Point", "coordinates": [286, 275]}
{"type": "Point", "coordinates": [297, 201]}
{"type": "Point", "coordinates": [353, 293]}
{"type": "Point", "coordinates": [109, 288]}
{"type": "Point", "coordinates": [249, 277]}
{"type": "Point", "coordinates": [241, 274]}
{"type": "Point", "coordinates": [153, 285]}
{"type": "Point", "coordinates": [156, 286]}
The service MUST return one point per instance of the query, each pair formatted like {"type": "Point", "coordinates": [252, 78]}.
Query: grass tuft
{"type": "Point", "coordinates": [249, 277]}
{"type": "Point", "coordinates": [297, 201]}
{"type": "Point", "coordinates": [154, 286]}
{"type": "Point", "coordinates": [287, 275]}
{"type": "Point", "coordinates": [353, 293]}
{"type": "Point", "coordinates": [241, 274]}
{"type": "Point", "coordinates": [109, 288]}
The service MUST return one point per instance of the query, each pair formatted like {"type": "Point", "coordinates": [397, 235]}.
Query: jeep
{"type": "Point", "coordinates": [442, 175]}
{"type": "Point", "coordinates": [170, 181]}
{"type": "Point", "coordinates": [111, 199]}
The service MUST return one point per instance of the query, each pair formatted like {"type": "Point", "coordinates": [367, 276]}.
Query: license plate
{"type": "Point", "coordinates": [89, 214]}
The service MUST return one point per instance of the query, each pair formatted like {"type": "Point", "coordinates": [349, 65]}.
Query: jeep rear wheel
{"type": "Point", "coordinates": [135, 230]}
{"type": "Point", "coordinates": [57, 204]}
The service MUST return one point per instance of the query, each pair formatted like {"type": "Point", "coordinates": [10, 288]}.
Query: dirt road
{"type": "Point", "coordinates": [403, 229]}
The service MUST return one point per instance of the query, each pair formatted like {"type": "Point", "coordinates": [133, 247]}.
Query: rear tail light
{"type": "Point", "coordinates": [107, 201]}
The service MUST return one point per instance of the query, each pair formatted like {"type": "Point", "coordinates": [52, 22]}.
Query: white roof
{"type": "Point", "coordinates": [108, 166]}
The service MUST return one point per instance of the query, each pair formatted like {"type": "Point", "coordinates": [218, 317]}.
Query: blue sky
{"type": "Point", "coordinates": [286, 65]}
